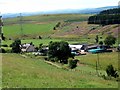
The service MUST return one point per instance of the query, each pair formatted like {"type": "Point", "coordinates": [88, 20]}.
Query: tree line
{"type": "Point", "coordinates": [106, 17]}
{"type": "Point", "coordinates": [111, 11]}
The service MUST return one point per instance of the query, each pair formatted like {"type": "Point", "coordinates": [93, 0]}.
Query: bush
{"type": "Point", "coordinates": [2, 50]}
{"type": "Point", "coordinates": [46, 59]}
{"type": "Point", "coordinates": [111, 71]}
{"type": "Point", "coordinates": [72, 63]}
{"type": "Point", "coordinates": [10, 45]}
{"type": "Point", "coordinates": [101, 43]}
{"type": "Point", "coordinates": [56, 59]}
{"type": "Point", "coordinates": [5, 45]}
{"type": "Point", "coordinates": [8, 51]}
{"type": "Point", "coordinates": [51, 59]}
{"type": "Point", "coordinates": [40, 37]}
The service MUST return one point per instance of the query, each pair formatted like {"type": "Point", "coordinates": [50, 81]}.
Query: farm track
{"type": "Point", "coordinates": [53, 64]}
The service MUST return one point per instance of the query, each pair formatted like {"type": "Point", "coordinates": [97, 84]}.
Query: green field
{"type": "Point", "coordinates": [104, 59]}
{"type": "Point", "coordinates": [28, 30]}
{"type": "Point", "coordinates": [25, 72]}
{"type": "Point", "coordinates": [36, 42]}
{"type": "Point", "coordinates": [40, 25]}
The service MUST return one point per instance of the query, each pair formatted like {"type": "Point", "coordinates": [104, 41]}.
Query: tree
{"type": "Point", "coordinates": [97, 39]}
{"type": "Point", "coordinates": [58, 24]}
{"type": "Point", "coordinates": [110, 40]}
{"type": "Point", "coordinates": [40, 46]}
{"type": "Point", "coordinates": [2, 36]}
{"type": "Point", "coordinates": [40, 37]}
{"type": "Point", "coordinates": [101, 42]}
{"type": "Point", "coordinates": [59, 50]}
{"type": "Point", "coordinates": [54, 28]}
{"type": "Point", "coordinates": [16, 46]}
{"type": "Point", "coordinates": [111, 71]}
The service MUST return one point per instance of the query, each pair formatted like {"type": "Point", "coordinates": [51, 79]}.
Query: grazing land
{"type": "Point", "coordinates": [73, 27]}
{"type": "Point", "coordinates": [37, 25]}
{"type": "Point", "coordinates": [19, 71]}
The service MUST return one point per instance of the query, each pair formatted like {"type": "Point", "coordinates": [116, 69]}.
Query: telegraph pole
{"type": "Point", "coordinates": [21, 24]}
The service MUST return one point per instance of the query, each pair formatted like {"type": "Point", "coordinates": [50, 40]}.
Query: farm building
{"type": "Point", "coordinates": [89, 47]}
{"type": "Point", "coordinates": [27, 48]}
{"type": "Point", "coordinates": [78, 49]}
{"type": "Point", "coordinates": [98, 49]}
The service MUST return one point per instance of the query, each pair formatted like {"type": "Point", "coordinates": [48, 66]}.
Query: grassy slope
{"type": "Point", "coordinates": [37, 25]}
{"type": "Point", "coordinates": [28, 29]}
{"type": "Point", "coordinates": [36, 42]}
{"type": "Point", "coordinates": [47, 18]}
{"type": "Point", "coordinates": [33, 73]}
{"type": "Point", "coordinates": [104, 59]}
{"type": "Point", "coordinates": [42, 25]}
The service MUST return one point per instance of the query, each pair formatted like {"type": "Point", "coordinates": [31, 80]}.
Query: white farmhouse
{"type": "Point", "coordinates": [79, 47]}
{"type": "Point", "coordinates": [27, 48]}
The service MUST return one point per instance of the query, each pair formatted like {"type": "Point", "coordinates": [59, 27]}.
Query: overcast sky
{"type": "Point", "coordinates": [17, 6]}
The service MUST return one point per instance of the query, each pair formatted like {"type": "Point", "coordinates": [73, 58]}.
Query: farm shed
{"type": "Point", "coordinates": [27, 48]}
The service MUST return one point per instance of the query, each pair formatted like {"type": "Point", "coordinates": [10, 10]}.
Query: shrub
{"type": "Point", "coordinates": [72, 63]}
{"type": "Point", "coordinates": [5, 45]}
{"type": "Point", "coordinates": [56, 59]}
{"type": "Point", "coordinates": [2, 50]}
{"type": "Point", "coordinates": [40, 37]}
{"type": "Point", "coordinates": [8, 51]}
{"type": "Point", "coordinates": [54, 28]}
{"type": "Point", "coordinates": [10, 38]}
{"type": "Point", "coordinates": [111, 71]}
{"type": "Point", "coordinates": [101, 42]}
{"type": "Point", "coordinates": [46, 59]}
{"type": "Point", "coordinates": [10, 45]}
{"type": "Point", "coordinates": [51, 59]}
{"type": "Point", "coordinates": [97, 39]}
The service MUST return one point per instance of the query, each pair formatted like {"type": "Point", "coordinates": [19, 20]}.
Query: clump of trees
{"type": "Point", "coordinates": [59, 51]}
{"type": "Point", "coordinates": [57, 25]}
{"type": "Point", "coordinates": [106, 17]}
{"type": "Point", "coordinates": [16, 46]}
{"type": "Point", "coordinates": [110, 40]}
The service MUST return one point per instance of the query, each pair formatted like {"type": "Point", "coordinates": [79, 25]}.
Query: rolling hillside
{"type": "Point", "coordinates": [72, 26]}
{"type": "Point", "coordinates": [37, 25]}
{"type": "Point", "coordinates": [27, 72]}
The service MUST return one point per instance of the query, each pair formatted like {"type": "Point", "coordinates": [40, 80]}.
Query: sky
{"type": "Point", "coordinates": [18, 6]}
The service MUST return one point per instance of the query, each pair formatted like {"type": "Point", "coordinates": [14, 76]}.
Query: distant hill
{"type": "Point", "coordinates": [65, 11]}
